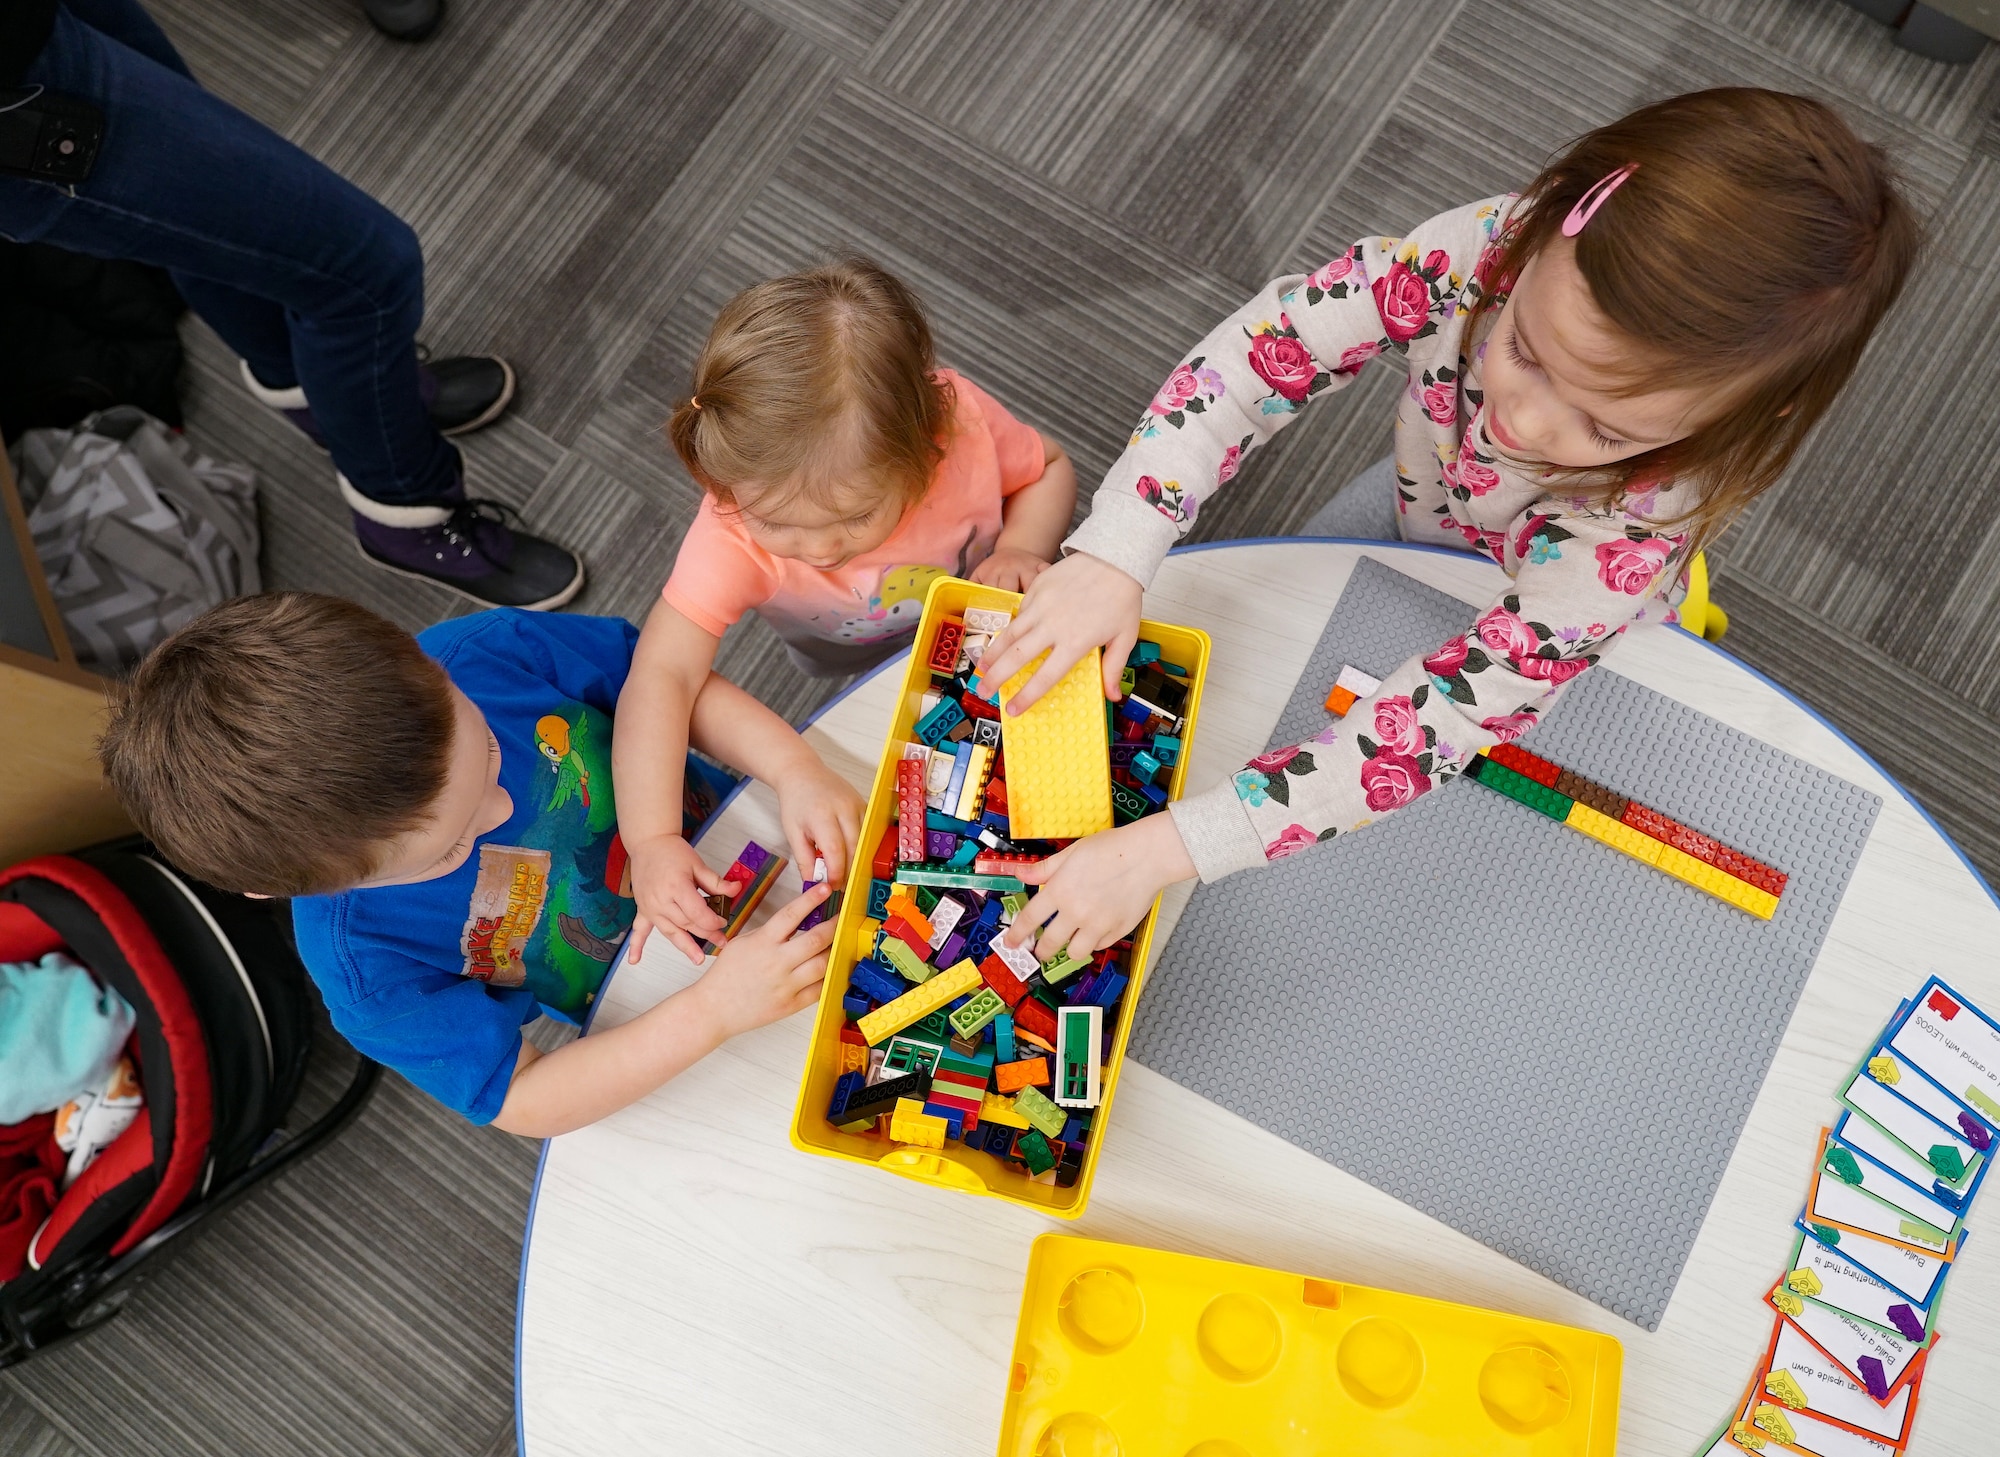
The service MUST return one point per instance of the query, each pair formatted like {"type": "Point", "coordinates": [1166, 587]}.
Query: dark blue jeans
{"type": "Point", "coordinates": [302, 273]}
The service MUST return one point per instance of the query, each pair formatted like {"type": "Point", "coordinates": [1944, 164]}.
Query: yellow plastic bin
{"type": "Point", "coordinates": [1128, 1350]}
{"type": "Point", "coordinates": [954, 1166]}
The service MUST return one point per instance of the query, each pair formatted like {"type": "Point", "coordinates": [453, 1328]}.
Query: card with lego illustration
{"type": "Point", "coordinates": [1911, 1273]}
{"type": "Point", "coordinates": [1955, 1045]}
{"type": "Point", "coordinates": [1858, 1171]}
{"type": "Point", "coordinates": [1878, 1361]}
{"type": "Point", "coordinates": [1833, 1201]}
{"type": "Point", "coordinates": [1798, 1377]}
{"type": "Point", "coordinates": [1765, 1425]}
{"type": "Point", "coordinates": [1821, 1276]}
{"type": "Point", "coordinates": [1866, 1139]}
{"type": "Point", "coordinates": [1931, 1125]}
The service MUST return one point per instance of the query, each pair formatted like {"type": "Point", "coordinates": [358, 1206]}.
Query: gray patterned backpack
{"type": "Point", "coordinates": [137, 531]}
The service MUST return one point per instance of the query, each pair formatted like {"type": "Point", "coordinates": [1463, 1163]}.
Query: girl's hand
{"type": "Point", "coordinates": [1009, 569]}
{"type": "Point", "coordinates": [821, 814]}
{"type": "Point", "coordinates": [1101, 887]}
{"type": "Point", "coordinates": [669, 881]}
{"type": "Point", "coordinates": [1080, 603]}
{"type": "Point", "coordinates": [769, 973]}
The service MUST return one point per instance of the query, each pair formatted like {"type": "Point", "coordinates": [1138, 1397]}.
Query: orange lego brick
{"type": "Point", "coordinates": [1339, 700]}
{"type": "Point", "coordinates": [1029, 1072]}
{"type": "Point", "coordinates": [1058, 762]}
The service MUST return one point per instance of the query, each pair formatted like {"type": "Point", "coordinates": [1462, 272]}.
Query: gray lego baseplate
{"type": "Point", "coordinates": [1514, 1028]}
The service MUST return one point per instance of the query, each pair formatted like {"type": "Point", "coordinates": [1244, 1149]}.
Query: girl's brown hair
{"type": "Point", "coordinates": [1754, 250]}
{"type": "Point", "coordinates": [830, 367]}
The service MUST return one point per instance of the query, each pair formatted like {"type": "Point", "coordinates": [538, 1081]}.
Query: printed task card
{"type": "Point", "coordinates": [1867, 1355]}
{"type": "Point", "coordinates": [1922, 1117]}
{"type": "Point", "coordinates": [1854, 1131]}
{"type": "Point", "coordinates": [1763, 1422]}
{"type": "Point", "coordinates": [1835, 1202]}
{"type": "Point", "coordinates": [1820, 1276]}
{"type": "Point", "coordinates": [1800, 1378]}
{"type": "Point", "coordinates": [1910, 1273]}
{"type": "Point", "coordinates": [1955, 1045]}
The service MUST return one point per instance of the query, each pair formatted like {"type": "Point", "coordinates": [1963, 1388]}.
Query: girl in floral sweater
{"type": "Point", "coordinates": [1603, 371]}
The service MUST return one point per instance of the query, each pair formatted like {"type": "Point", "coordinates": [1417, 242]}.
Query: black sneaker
{"type": "Point", "coordinates": [410, 20]}
{"type": "Point", "coordinates": [469, 547]}
{"type": "Point", "coordinates": [463, 393]}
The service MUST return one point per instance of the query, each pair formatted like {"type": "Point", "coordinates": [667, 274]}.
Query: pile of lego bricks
{"type": "Point", "coordinates": [1626, 825]}
{"type": "Point", "coordinates": [949, 1033]}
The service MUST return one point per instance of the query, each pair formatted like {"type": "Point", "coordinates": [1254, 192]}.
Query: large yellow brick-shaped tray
{"type": "Point", "coordinates": [952, 1167]}
{"type": "Point", "coordinates": [1058, 760]}
{"type": "Point", "coordinates": [1135, 1351]}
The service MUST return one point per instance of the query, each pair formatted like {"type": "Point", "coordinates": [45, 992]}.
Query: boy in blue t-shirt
{"type": "Point", "coordinates": [441, 809]}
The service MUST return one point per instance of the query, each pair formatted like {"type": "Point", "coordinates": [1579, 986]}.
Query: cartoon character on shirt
{"type": "Point", "coordinates": [898, 600]}
{"type": "Point", "coordinates": [548, 910]}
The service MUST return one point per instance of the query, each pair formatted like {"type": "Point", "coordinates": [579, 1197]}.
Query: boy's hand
{"type": "Point", "coordinates": [669, 879]}
{"type": "Point", "coordinates": [768, 973]}
{"type": "Point", "coordinates": [821, 815]}
{"type": "Point", "coordinates": [1101, 887]}
{"type": "Point", "coordinates": [1009, 569]}
{"type": "Point", "coordinates": [1080, 603]}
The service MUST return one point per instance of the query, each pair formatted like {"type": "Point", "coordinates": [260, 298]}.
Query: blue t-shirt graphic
{"type": "Point", "coordinates": [436, 979]}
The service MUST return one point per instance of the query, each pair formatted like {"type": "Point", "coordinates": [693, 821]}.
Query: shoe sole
{"type": "Point", "coordinates": [493, 411]}
{"type": "Point", "coordinates": [547, 604]}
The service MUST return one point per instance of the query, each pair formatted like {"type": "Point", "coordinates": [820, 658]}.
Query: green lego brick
{"type": "Point", "coordinates": [1034, 1151]}
{"type": "Point", "coordinates": [1014, 902]}
{"type": "Point", "coordinates": [1520, 788]}
{"type": "Point", "coordinates": [977, 1064]}
{"type": "Point", "coordinates": [983, 1008]}
{"type": "Point", "coordinates": [955, 879]}
{"type": "Point", "coordinates": [1039, 1111]}
{"type": "Point", "coordinates": [1064, 965]}
{"type": "Point", "coordinates": [906, 961]}
{"type": "Point", "coordinates": [926, 899]}
{"type": "Point", "coordinates": [936, 1027]}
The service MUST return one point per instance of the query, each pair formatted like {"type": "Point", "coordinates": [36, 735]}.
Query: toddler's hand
{"type": "Point", "coordinates": [669, 878]}
{"type": "Point", "coordinates": [1101, 887]}
{"type": "Point", "coordinates": [768, 973]}
{"type": "Point", "coordinates": [1009, 569]}
{"type": "Point", "coordinates": [1080, 603]}
{"type": "Point", "coordinates": [821, 815]}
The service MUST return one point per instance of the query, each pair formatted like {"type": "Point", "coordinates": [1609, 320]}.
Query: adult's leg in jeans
{"type": "Point", "coordinates": [1364, 508]}
{"type": "Point", "coordinates": [189, 183]}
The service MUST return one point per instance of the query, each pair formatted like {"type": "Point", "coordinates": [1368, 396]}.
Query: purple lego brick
{"type": "Point", "coordinates": [753, 857]}
{"type": "Point", "coordinates": [1873, 1377]}
{"type": "Point", "coordinates": [952, 951]}
{"type": "Point", "coordinates": [1905, 1320]}
{"type": "Point", "coordinates": [939, 845]}
{"type": "Point", "coordinates": [1975, 1132]}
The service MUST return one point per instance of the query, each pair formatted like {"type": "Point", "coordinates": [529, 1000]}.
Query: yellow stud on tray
{"type": "Point", "coordinates": [1058, 761]}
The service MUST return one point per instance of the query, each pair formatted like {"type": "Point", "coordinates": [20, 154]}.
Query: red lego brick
{"type": "Point", "coordinates": [1032, 1017]}
{"type": "Point", "coordinates": [996, 791]}
{"type": "Point", "coordinates": [998, 975]}
{"type": "Point", "coordinates": [977, 707]}
{"type": "Point", "coordinates": [1518, 759]}
{"type": "Point", "coordinates": [1702, 847]}
{"type": "Point", "coordinates": [991, 863]}
{"type": "Point", "coordinates": [910, 810]}
{"type": "Point", "coordinates": [884, 864]}
{"type": "Point", "coordinates": [904, 932]}
{"type": "Point", "coordinates": [944, 648]}
{"type": "Point", "coordinates": [851, 1033]}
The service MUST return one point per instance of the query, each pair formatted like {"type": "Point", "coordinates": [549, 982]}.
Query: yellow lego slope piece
{"type": "Point", "coordinates": [1058, 756]}
{"type": "Point", "coordinates": [1677, 863]}
{"type": "Point", "coordinates": [919, 1002]}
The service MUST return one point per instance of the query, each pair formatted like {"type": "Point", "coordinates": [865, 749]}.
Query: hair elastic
{"type": "Point", "coordinates": [1587, 205]}
{"type": "Point", "coordinates": [695, 400]}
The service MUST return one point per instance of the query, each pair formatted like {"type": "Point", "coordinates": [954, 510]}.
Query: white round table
{"type": "Point", "coordinates": [691, 1283]}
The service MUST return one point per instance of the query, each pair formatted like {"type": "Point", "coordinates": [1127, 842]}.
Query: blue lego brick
{"type": "Point", "coordinates": [1156, 795]}
{"type": "Point", "coordinates": [933, 726]}
{"type": "Point", "coordinates": [996, 1138]}
{"type": "Point", "coordinates": [875, 981]}
{"type": "Point", "coordinates": [844, 1088]}
{"type": "Point", "coordinates": [1144, 765]}
{"type": "Point", "coordinates": [979, 940]}
{"type": "Point", "coordinates": [1134, 711]}
{"type": "Point", "coordinates": [961, 761]}
{"type": "Point", "coordinates": [1075, 1130]}
{"type": "Point", "coordinates": [997, 823]}
{"type": "Point", "coordinates": [878, 899]}
{"type": "Point", "coordinates": [1166, 748]}
{"type": "Point", "coordinates": [952, 1116]}
{"type": "Point", "coordinates": [856, 1006]}
{"type": "Point", "coordinates": [1110, 987]}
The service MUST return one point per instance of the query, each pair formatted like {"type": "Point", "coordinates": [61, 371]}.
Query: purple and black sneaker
{"type": "Point", "coordinates": [468, 546]}
{"type": "Point", "coordinates": [463, 393]}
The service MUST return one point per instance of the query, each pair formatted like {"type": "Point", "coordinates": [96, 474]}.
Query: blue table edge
{"type": "Point", "coordinates": [542, 1159]}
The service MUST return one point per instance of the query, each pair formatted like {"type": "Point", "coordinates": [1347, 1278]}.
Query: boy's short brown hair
{"type": "Point", "coordinates": [278, 743]}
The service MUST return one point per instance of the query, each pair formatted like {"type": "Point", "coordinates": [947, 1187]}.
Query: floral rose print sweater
{"type": "Point", "coordinates": [1582, 574]}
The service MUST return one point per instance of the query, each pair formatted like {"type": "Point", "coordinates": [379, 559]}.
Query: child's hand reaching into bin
{"type": "Point", "coordinates": [1098, 889]}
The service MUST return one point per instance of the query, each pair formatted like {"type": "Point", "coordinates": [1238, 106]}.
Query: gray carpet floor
{"type": "Point", "coordinates": [1078, 190]}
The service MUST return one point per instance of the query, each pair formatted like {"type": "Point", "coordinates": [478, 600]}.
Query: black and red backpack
{"type": "Point", "coordinates": [225, 1024]}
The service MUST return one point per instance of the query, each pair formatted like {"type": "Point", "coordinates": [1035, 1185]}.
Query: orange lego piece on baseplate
{"type": "Point", "coordinates": [1058, 759]}
{"type": "Point", "coordinates": [1348, 689]}
{"type": "Point", "coordinates": [1127, 1350]}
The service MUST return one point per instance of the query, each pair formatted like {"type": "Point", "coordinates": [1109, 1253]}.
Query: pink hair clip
{"type": "Point", "coordinates": [1587, 205]}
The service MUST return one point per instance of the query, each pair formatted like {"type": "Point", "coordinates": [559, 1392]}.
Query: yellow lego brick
{"type": "Point", "coordinates": [978, 769]}
{"type": "Point", "coordinates": [1058, 756]}
{"type": "Point", "coordinates": [911, 1124]}
{"type": "Point", "coordinates": [1677, 863]}
{"type": "Point", "coordinates": [994, 1108]}
{"type": "Point", "coordinates": [919, 1002]}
